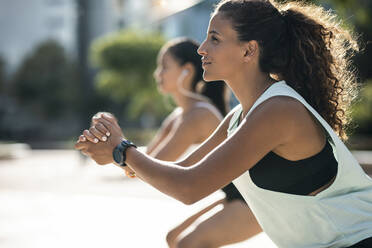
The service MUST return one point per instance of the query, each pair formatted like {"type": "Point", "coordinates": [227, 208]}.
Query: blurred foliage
{"type": "Point", "coordinates": [126, 62]}
{"type": "Point", "coordinates": [140, 136]}
{"type": "Point", "coordinates": [46, 81]}
{"type": "Point", "coordinates": [355, 11]}
{"type": "Point", "coordinates": [362, 110]}
{"type": "Point", "coordinates": [357, 14]}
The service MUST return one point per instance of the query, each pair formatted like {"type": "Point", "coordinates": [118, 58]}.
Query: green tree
{"type": "Point", "coordinates": [357, 14]}
{"type": "Point", "coordinates": [45, 82]}
{"type": "Point", "coordinates": [126, 62]}
{"type": "Point", "coordinates": [362, 110]}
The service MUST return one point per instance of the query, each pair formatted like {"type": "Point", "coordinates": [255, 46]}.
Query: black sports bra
{"type": "Point", "coordinates": [300, 177]}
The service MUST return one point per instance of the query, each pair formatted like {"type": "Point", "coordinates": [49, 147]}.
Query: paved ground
{"type": "Point", "coordinates": [55, 199]}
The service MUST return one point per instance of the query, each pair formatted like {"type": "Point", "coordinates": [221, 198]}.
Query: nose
{"type": "Point", "coordinates": [202, 49]}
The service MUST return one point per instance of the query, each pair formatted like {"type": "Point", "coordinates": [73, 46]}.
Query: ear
{"type": "Point", "coordinates": [251, 50]}
{"type": "Point", "coordinates": [190, 68]}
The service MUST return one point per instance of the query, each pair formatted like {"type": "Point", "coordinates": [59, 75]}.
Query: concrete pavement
{"type": "Point", "coordinates": [55, 198]}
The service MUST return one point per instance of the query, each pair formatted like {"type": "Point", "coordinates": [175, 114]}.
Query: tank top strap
{"type": "Point", "coordinates": [234, 121]}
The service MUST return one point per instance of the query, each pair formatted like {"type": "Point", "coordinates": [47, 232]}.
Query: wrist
{"type": "Point", "coordinates": [131, 154]}
{"type": "Point", "coordinates": [120, 152]}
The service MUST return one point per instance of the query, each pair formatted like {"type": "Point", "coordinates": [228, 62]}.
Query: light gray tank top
{"type": "Point", "coordinates": [339, 216]}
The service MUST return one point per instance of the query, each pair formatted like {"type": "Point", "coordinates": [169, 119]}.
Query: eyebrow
{"type": "Point", "coordinates": [214, 32]}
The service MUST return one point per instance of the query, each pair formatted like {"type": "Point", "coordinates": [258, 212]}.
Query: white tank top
{"type": "Point", "coordinates": [339, 216]}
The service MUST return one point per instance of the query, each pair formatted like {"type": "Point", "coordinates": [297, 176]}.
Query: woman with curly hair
{"type": "Point", "coordinates": [201, 106]}
{"type": "Point", "coordinates": [289, 66]}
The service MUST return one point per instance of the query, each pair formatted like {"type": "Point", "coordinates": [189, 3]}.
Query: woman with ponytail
{"type": "Point", "coordinates": [179, 74]}
{"type": "Point", "coordinates": [289, 66]}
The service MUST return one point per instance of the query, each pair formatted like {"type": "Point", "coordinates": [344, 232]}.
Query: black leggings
{"type": "Point", "coordinates": [366, 243]}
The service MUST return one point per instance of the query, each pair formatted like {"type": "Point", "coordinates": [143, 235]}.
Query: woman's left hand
{"type": "Point", "coordinates": [101, 152]}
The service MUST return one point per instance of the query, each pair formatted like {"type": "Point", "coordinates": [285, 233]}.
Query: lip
{"type": "Point", "coordinates": [205, 60]}
{"type": "Point", "coordinates": [206, 63]}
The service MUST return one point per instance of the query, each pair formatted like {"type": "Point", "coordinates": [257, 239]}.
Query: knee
{"type": "Point", "coordinates": [171, 239]}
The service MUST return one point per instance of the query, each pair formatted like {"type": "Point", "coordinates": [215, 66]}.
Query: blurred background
{"type": "Point", "coordinates": [61, 61]}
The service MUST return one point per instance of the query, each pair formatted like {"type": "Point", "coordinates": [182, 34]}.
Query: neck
{"type": "Point", "coordinates": [248, 87]}
{"type": "Point", "coordinates": [182, 99]}
{"type": "Point", "coordinates": [184, 102]}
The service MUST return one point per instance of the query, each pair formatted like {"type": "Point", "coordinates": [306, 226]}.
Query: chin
{"type": "Point", "coordinates": [208, 77]}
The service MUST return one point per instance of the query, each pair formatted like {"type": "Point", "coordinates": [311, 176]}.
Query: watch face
{"type": "Point", "coordinates": [118, 156]}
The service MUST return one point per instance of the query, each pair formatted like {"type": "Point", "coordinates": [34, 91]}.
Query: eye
{"type": "Point", "coordinates": [214, 39]}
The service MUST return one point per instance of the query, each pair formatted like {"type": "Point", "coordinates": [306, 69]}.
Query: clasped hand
{"type": "Point", "coordinates": [100, 140]}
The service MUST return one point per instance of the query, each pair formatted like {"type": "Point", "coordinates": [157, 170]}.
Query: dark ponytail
{"type": "Point", "coordinates": [184, 50]}
{"type": "Point", "coordinates": [305, 46]}
{"type": "Point", "coordinates": [215, 91]}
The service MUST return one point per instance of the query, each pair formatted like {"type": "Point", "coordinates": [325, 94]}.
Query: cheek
{"type": "Point", "coordinates": [170, 81]}
{"type": "Point", "coordinates": [229, 63]}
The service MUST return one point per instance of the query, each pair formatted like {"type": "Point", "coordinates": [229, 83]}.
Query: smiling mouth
{"type": "Point", "coordinates": [206, 63]}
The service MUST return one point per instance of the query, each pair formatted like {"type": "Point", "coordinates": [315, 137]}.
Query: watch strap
{"type": "Point", "coordinates": [125, 144]}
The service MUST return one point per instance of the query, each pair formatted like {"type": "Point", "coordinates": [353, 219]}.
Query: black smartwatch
{"type": "Point", "coordinates": [119, 152]}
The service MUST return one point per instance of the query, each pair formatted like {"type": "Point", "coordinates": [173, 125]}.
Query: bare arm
{"type": "Point", "coordinates": [270, 125]}
{"type": "Point", "coordinates": [265, 129]}
{"type": "Point", "coordinates": [188, 130]}
{"type": "Point", "coordinates": [163, 132]}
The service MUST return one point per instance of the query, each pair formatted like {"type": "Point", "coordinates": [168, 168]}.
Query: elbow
{"type": "Point", "coordinates": [188, 201]}
{"type": "Point", "coordinates": [189, 195]}
{"type": "Point", "coordinates": [187, 188]}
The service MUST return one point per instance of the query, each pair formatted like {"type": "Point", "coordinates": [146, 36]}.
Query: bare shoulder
{"type": "Point", "coordinates": [199, 122]}
{"type": "Point", "coordinates": [202, 115]}
{"type": "Point", "coordinates": [170, 119]}
{"type": "Point", "coordinates": [285, 117]}
{"type": "Point", "coordinates": [282, 108]}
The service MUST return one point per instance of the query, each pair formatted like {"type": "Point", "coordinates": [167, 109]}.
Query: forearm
{"type": "Point", "coordinates": [167, 177]}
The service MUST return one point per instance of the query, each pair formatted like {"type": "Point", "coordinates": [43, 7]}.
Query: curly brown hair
{"type": "Point", "coordinates": [304, 45]}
